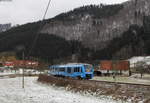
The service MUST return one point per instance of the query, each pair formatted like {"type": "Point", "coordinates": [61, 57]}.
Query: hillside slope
{"type": "Point", "coordinates": [95, 26]}
{"type": "Point", "coordinates": [89, 33]}
{"type": "Point", "coordinates": [19, 39]}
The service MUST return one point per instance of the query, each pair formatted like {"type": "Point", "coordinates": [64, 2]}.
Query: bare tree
{"type": "Point", "coordinates": [141, 67]}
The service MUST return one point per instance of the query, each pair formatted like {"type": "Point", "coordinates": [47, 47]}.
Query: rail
{"type": "Point", "coordinates": [97, 81]}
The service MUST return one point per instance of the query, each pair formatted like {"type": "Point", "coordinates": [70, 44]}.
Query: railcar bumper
{"type": "Point", "coordinates": [89, 76]}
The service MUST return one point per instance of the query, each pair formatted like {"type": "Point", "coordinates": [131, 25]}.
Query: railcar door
{"type": "Point", "coordinates": [88, 71]}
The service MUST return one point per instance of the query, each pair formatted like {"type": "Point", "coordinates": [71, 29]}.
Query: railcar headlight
{"type": "Point", "coordinates": [88, 70]}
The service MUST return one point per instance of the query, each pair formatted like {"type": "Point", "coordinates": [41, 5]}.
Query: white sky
{"type": "Point", "coordinates": [23, 11]}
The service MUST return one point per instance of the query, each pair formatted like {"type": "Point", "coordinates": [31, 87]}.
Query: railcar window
{"type": "Point", "coordinates": [53, 69]}
{"type": "Point", "coordinates": [50, 69]}
{"type": "Point", "coordinates": [69, 70]}
{"type": "Point", "coordinates": [62, 69]}
{"type": "Point", "coordinates": [56, 69]}
{"type": "Point", "coordinates": [77, 69]}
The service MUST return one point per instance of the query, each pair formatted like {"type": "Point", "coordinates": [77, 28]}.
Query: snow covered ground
{"type": "Point", "coordinates": [11, 92]}
{"type": "Point", "coordinates": [8, 72]}
{"type": "Point", "coordinates": [20, 71]}
{"type": "Point", "coordinates": [134, 60]}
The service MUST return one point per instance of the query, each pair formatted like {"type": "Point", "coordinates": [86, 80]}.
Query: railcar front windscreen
{"type": "Point", "coordinates": [88, 68]}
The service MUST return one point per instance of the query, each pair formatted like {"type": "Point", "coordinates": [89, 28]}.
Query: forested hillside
{"type": "Point", "coordinates": [78, 33]}
{"type": "Point", "coordinates": [133, 42]}
{"type": "Point", "coordinates": [21, 38]}
{"type": "Point", "coordinates": [96, 11]}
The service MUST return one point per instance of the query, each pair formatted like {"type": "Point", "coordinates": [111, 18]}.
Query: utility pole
{"type": "Point", "coordinates": [23, 69]}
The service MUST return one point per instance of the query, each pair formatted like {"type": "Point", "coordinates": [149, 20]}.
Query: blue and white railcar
{"type": "Point", "coordinates": [74, 70]}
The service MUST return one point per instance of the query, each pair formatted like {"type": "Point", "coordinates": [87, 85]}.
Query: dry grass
{"type": "Point", "coordinates": [124, 80]}
{"type": "Point", "coordinates": [70, 84]}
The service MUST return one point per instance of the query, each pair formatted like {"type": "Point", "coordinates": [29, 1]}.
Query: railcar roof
{"type": "Point", "coordinates": [70, 65]}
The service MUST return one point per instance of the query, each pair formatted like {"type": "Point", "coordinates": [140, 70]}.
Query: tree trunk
{"type": "Point", "coordinates": [141, 75]}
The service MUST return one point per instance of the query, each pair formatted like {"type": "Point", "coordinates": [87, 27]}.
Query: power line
{"type": "Point", "coordinates": [47, 9]}
{"type": "Point", "coordinates": [42, 24]}
{"type": "Point", "coordinates": [5, 0]}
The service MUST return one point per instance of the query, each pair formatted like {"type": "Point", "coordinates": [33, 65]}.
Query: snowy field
{"type": "Point", "coordinates": [8, 72]}
{"type": "Point", "coordinates": [20, 71]}
{"type": "Point", "coordinates": [11, 92]}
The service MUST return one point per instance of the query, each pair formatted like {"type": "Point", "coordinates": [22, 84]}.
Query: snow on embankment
{"type": "Point", "coordinates": [124, 92]}
{"type": "Point", "coordinates": [34, 92]}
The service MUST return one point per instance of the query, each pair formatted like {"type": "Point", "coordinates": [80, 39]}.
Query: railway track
{"type": "Point", "coordinates": [119, 83]}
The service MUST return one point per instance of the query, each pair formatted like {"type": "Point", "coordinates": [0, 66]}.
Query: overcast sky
{"type": "Point", "coordinates": [23, 11]}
